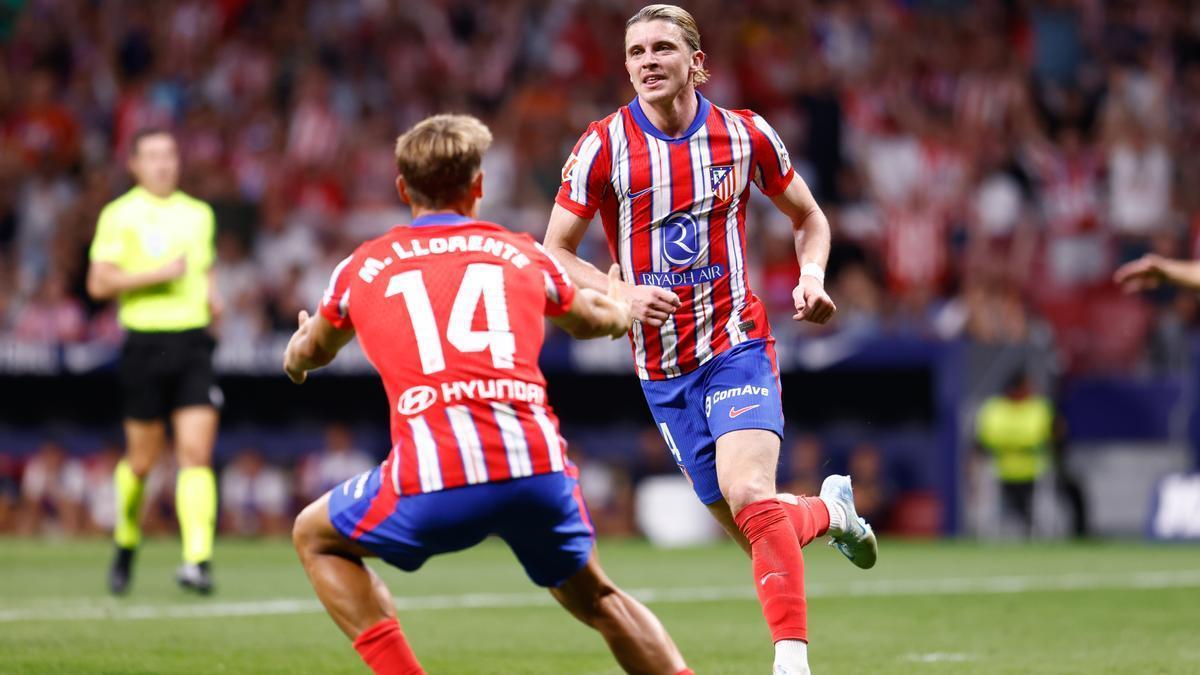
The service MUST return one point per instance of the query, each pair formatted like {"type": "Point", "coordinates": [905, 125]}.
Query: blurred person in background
{"type": "Point", "coordinates": [803, 466]}
{"type": "Point", "coordinates": [1016, 428]}
{"type": "Point", "coordinates": [338, 460]}
{"type": "Point", "coordinates": [52, 315]}
{"type": "Point", "coordinates": [153, 253]}
{"type": "Point", "coordinates": [255, 499]}
{"type": "Point", "coordinates": [608, 492]}
{"type": "Point", "coordinates": [873, 491]}
{"type": "Point", "coordinates": [52, 492]}
{"type": "Point", "coordinates": [10, 492]}
{"type": "Point", "coordinates": [100, 499]}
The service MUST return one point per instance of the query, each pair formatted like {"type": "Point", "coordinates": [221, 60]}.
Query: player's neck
{"type": "Point", "coordinates": [161, 193]}
{"type": "Point", "coordinates": [672, 116]}
{"type": "Point", "coordinates": [460, 210]}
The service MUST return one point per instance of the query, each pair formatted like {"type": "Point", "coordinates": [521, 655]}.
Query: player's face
{"type": "Point", "coordinates": [658, 60]}
{"type": "Point", "coordinates": [155, 164]}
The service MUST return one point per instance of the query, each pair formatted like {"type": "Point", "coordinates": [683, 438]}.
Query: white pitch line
{"type": "Point", "coordinates": [109, 608]}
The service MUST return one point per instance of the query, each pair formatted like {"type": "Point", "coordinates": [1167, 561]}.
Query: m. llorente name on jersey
{"type": "Point", "coordinates": [441, 245]}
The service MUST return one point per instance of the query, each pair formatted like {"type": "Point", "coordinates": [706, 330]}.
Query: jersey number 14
{"type": "Point", "coordinates": [481, 280]}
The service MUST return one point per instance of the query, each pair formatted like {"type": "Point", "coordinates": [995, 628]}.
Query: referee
{"type": "Point", "coordinates": [153, 253]}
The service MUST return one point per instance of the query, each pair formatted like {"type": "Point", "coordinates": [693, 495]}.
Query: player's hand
{"type": "Point", "coordinates": [1142, 274]}
{"type": "Point", "coordinates": [651, 305]}
{"type": "Point", "coordinates": [294, 372]}
{"type": "Point", "coordinates": [812, 302]}
{"type": "Point", "coordinates": [622, 307]}
{"type": "Point", "coordinates": [172, 270]}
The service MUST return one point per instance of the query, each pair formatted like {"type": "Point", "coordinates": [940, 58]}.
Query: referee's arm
{"type": "Point", "coordinates": [105, 280]}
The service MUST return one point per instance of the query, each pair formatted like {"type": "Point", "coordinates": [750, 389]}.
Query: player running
{"type": "Point", "coordinates": [670, 175]}
{"type": "Point", "coordinates": [450, 311]}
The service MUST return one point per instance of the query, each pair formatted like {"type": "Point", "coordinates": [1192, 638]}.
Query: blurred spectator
{"type": "Point", "coordinates": [100, 499]}
{"type": "Point", "coordinates": [52, 492]}
{"type": "Point", "coordinates": [10, 492]}
{"type": "Point", "coordinates": [254, 496]}
{"type": "Point", "coordinates": [873, 492]}
{"type": "Point", "coordinates": [803, 465]}
{"type": "Point", "coordinates": [1035, 144]}
{"type": "Point", "coordinates": [338, 461]}
{"type": "Point", "coordinates": [1016, 428]}
{"type": "Point", "coordinates": [51, 315]}
{"type": "Point", "coordinates": [653, 457]}
{"type": "Point", "coordinates": [608, 492]}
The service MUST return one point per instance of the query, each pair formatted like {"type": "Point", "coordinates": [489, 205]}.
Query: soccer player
{"type": "Point", "coordinates": [153, 253]}
{"type": "Point", "coordinates": [450, 311]}
{"type": "Point", "coordinates": [670, 175]}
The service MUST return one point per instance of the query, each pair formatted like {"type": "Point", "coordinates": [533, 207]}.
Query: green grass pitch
{"type": "Point", "coordinates": [927, 608]}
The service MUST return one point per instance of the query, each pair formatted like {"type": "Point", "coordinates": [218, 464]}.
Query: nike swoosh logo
{"type": "Point", "coordinates": [634, 195]}
{"type": "Point", "coordinates": [768, 575]}
{"type": "Point", "coordinates": [734, 412]}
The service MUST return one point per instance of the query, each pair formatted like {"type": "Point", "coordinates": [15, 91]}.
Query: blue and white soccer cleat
{"type": "Point", "coordinates": [857, 540]}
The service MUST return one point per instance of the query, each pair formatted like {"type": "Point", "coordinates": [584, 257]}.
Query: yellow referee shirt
{"type": "Point", "coordinates": [139, 232]}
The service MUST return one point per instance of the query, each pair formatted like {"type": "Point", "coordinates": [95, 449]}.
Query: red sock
{"type": "Point", "coordinates": [810, 518]}
{"type": "Point", "coordinates": [686, 671]}
{"type": "Point", "coordinates": [385, 650]}
{"type": "Point", "coordinates": [778, 568]}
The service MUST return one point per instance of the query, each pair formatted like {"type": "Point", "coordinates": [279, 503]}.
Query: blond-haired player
{"type": "Point", "coordinates": [670, 175]}
{"type": "Point", "coordinates": [450, 310]}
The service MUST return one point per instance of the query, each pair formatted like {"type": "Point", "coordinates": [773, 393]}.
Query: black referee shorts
{"type": "Point", "coordinates": [161, 372]}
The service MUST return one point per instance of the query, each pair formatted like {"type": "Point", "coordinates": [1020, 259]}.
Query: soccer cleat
{"type": "Point", "coordinates": [857, 541]}
{"type": "Point", "coordinates": [121, 571]}
{"type": "Point", "coordinates": [195, 577]}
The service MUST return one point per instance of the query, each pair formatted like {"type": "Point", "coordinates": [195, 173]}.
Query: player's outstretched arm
{"type": "Point", "coordinates": [106, 281]}
{"type": "Point", "coordinates": [1150, 270]}
{"type": "Point", "coordinates": [593, 314]}
{"type": "Point", "coordinates": [314, 344]}
{"type": "Point", "coordinates": [650, 304]}
{"type": "Point", "coordinates": [811, 231]}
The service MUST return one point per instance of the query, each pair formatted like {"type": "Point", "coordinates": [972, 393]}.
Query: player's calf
{"type": "Point", "coordinates": [357, 600]}
{"type": "Point", "coordinates": [634, 635]}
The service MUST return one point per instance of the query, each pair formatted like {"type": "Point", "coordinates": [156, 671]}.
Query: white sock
{"type": "Point", "coordinates": [837, 515]}
{"type": "Point", "coordinates": [791, 657]}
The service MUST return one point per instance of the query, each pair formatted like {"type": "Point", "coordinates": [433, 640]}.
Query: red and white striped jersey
{"type": "Point", "coordinates": [450, 311]}
{"type": "Point", "coordinates": [674, 213]}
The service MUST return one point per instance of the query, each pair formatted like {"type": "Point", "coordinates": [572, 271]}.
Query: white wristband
{"type": "Point", "coordinates": [813, 270]}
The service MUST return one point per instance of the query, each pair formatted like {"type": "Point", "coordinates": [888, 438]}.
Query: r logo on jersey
{"type": "Point", "coordinates": [679, 245]}
{"type": "Point", "coordinates": [722, 181]}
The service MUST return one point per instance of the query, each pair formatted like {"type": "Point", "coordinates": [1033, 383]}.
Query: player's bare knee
{"type": "Point", "coordinates": [191, 455]}
{"type": "Point", "coordinates": [304, 532]}
{"type": "Point", "coordinates": [748, 490]}
{"type": "Point", "coordinates": [140, 464]}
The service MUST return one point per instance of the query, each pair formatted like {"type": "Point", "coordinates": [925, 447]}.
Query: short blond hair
{"type": "Point", "coordinates": [679, 17]}
{"type": "Point", "coordinates": [440, 156]}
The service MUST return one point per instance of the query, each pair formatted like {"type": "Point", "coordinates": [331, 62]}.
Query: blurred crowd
{"type": "Point", "coordinates": [63, 489]}
{"type": "Point", "coordinates": [67, 491]}
{"type": "Point", "coordinates": [985, 165]}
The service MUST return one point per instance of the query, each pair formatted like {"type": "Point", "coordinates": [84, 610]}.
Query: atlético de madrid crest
{"type": "Point", "coordinates": [721, 179]}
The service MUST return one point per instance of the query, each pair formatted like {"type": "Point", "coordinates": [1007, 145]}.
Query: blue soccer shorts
{"type": "Point", "coordinates": [736, 389]}
{"type": "Point", "coordinates": [542, 518]}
